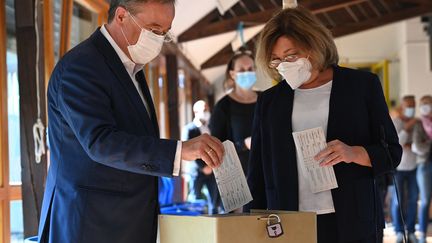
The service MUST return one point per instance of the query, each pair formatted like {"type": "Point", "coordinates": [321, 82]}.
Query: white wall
{"type": "Point", "coordinates": [405, 44]}
{"type": "Point", "coordinates": [416, 74]}
{"type": "Point", "coordinates": [375, 45]}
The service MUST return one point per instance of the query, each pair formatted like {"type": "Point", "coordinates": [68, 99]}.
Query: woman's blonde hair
{"type": "Point", "coordinates": [307, 32]}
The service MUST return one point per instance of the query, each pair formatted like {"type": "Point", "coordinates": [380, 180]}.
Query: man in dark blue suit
{"type": "Point", "coordinates": [106, 152]}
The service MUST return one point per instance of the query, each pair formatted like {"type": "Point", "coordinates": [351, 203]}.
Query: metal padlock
{"type": "Point", "coordinates": [274, 229]}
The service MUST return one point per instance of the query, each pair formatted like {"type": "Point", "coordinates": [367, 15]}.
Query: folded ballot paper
{"type": "Point", "coordinates": [308, 144]}
{"type": "Point", "coordinates": [231, 180]}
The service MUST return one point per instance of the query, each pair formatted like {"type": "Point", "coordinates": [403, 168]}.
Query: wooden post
{"type": "Point", "coordinates": [4, 155]}
{"type": "Point", "coordinates": [48, 30]}
{"type": "Point", "coordinates": [33, 175]}
{"type": "Point", "coordinates": [195, 83]}
{"type": "Point", "coordinates": [172, 78]}
{"type": "Point", "coordinates": [66, 25]}
{"type": "Point", "coordinates": [173, 113]}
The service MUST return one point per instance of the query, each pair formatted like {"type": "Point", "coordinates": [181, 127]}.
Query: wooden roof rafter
{"type": "Point", "coordinates": [256, 18]}
{"type": "Point", "coordinates": [363, 14]}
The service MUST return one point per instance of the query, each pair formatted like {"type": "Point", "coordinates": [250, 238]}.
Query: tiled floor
{"type": "Point", "coordinates": [390, 237]}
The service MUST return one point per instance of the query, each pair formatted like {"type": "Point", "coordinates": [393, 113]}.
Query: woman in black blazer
{"type": "Point", "coordinates": [350, 107]}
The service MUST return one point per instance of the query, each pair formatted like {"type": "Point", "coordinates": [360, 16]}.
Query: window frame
{"type": "Point", "coordinates": [8, 192]}
{"type": "Point", "coordinates": [100, 7]}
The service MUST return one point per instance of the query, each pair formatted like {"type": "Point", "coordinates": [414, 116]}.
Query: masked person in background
{"type": "Point", "coordinates": [200, 174]}
{"type": "Point", "coordinates": [405, 174]}
{"type": "Point", "coordinates": [421, 146]}
{"type": "Point", "coordinates": [106, 153]}
{"type": "Point", "coordinates": [347, 104]}
{"type": "Point", "coordinates": [233, 114]}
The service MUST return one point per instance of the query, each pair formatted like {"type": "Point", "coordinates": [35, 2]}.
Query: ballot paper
{"type": "Point", "coordinates": [231, 181]}
{"type": "Point", "coordinates": [308, 144]}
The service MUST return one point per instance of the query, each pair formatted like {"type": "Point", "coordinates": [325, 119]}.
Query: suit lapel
{"type": "Point", "coordinates": [117, 67]}
{"type": "Point", "coordinates": [335, 99]}
{"type": "Point", "coordinates": [286, 165]}
{"type": "Point", "coordinates": [149, 99]}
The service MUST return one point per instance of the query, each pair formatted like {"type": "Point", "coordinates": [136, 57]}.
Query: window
{"type": "Point", "coordinates": [13, 115]}
{"type": "Point", "coordinates": [84, 23]}
{"type": "Point", "coordinates": [16, 221]}
{"type": "Point", "coordinates": [11, 226]}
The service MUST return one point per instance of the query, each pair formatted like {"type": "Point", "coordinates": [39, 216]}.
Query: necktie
{"type": "Point", "coordinates": [147, 96]}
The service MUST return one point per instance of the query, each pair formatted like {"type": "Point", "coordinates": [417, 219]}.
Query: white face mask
{"type": "Point", "coordinates": [147, 47]}
{"type": "Point", "coordinates": [295, 73]}
{"type": "Point", "coordinates": [425, 110]}
{"type": "Point", "coordinates": [409, 112]}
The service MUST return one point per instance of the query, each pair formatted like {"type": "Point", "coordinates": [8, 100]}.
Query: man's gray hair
{"type": "Point", "coordinates": [129, 5]}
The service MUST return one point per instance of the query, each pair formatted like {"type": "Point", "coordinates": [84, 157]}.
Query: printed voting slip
{"type": "Point", "coordinates": [231, 180]}
{"type": "Point", "coordinates": [308, 144]}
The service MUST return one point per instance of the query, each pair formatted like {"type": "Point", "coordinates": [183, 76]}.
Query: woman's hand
{"type": "Point", "coordinates": [247, 142]}
{"type": "Point", "coordinates": [338, 151]}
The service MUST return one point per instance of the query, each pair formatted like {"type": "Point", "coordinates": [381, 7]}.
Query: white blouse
{"type": "Point", "coordinates": [311, 110]}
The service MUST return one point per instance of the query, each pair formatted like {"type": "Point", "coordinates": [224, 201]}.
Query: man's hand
{"type": "Point", "coordinates": [204, 147]}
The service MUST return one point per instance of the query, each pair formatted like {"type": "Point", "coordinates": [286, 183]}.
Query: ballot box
{"type": "Point", "coordinates": [256, 227]}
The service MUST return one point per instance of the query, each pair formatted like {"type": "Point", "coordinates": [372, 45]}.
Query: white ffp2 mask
{"type": "Point", "coordinates": [147, 47]}
{"type": "Point", "coordinates": [295, 73]}
{"type": "Point", "coordinates": [425, 110]}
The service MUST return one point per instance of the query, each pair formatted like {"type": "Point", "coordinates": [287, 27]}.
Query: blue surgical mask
{"type": "Point", "coordinates": [409, 112]}
{"type": "Point", "coordinates": [246, 79]}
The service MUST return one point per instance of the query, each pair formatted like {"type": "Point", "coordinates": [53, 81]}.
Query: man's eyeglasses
{"type": "Point", "coordinates": [168, 36]}
{"type": "Point", "coordinates": [290, 58]}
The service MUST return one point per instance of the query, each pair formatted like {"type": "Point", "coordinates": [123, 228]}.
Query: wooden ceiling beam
{"type": "Point", "coordinates": [259, 18]}
{"type": "Point", "coordinates": [246, 9]}
{"type": "Point", "coordinates": [260, 6]}
{"type": "Point", "coordinates": [395, 16]}
{"type": "Point", "coordinates": [352, 14]}
{"type": "Point", "coordinates": [225, 54]}
{"type": "Point", "coordinates": [328, 6]}
{"type": "Point", "coordinates": [209, 18]}
{"type": "Point", "coordinates": [421, 2]}
{"type": "Point", "coordinates": [225, 25]}
{"type": "Point", "coordinates": [173, 49]}
{"type": "Point", "coordinates": [374, 8]}
{"type": "Point", "coordinates": [385, 5]}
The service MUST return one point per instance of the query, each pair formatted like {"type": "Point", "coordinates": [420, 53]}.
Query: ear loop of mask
{"type": "Point", "coordinates": [133, 19]}
{"type": "Point", "coordinates": [123, 31]}
{"type": "Point", "coordinates": [125, 36]}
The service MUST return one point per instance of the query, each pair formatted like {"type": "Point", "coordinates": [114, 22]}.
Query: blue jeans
{"type": "Point", "coordinates": [424, 182]}
{"type": "Point", "coordinates": [407, 186]}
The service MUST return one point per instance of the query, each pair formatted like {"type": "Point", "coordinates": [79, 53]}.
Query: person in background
{"type": "Point", "coordinates": [347, 104]}
{"type": "Point", "coordinates": [421, 146]}
{"type": "Point", "coordinates": [106, 152]}
{"type": "Point", "coordinates": [233, 114]}
{"type": "Point", "coordinates": [405, 175]}
{"type": "Point", "coordinates": [200, 173]}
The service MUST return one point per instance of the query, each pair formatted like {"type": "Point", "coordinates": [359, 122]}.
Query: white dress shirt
{"type": "Point", "coordinates": [132, 69]}
{"type": "Point", "coordinates": [311, 110]}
